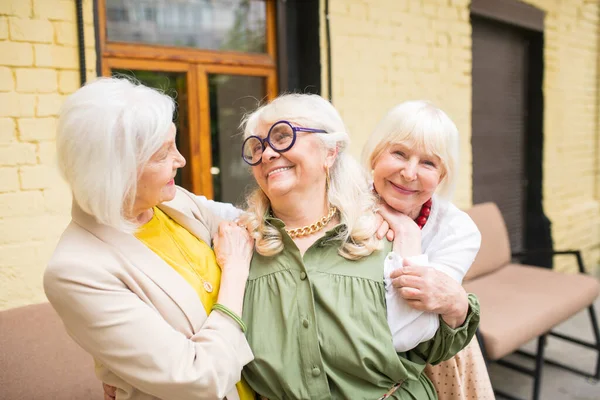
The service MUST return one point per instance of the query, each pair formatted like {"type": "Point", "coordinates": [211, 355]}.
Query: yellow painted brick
{"type": "Point", "coordinates": [49, 104]}
{"type": "Point", "coordinates": [3, 28]}
{"type": "Point", "coordinates": [68, 81]}
{"type": "Point", "coordinates": [58, 199]}
{"type": "Point", "coordinates": [90, 58]}
{"type": "Point", "coordinates": [429, 10]}
{"type": "Point", "coordinates": [66, 33]}
{"type": "Point", "coordinates": [88, 11]}
{"type": "Point", "coordinates": [19, 204]}
{"type": "Point", "coordinates": [89, 36]}
{"type": "Point", "coordinates": [92, 74]}
{"type": "Point", "coordinates": [461, 3]}
{"type": "Point", "coordinates": [7, 83]}
{"type": "Point", "coordinates": [56, 56]}
{"type": "Point", "coordinates": [18, 154]}
{"type": "Point", "coordinates": [46, 153]}
{"type": "Point", "coordinates": [16, 54]}
{"type": "Point", "coordinates": [19, 254]}
{"type": "Point", "coordinates": [17, 105]}
{"type": "Point", "coordinates": [23, 287]}
{"type": "Point", "coordinates": [20, 8]}
{"type": "Point", "coordinates": [8, 132]}
{"type": "Point", "coordinates": [35, 129]}
{"type": "Point", "coordinates": [30, 30]}
{"type": "Point", "coordinates": [38, 177]}
{"type": "Point", "coordinates": [9, 179]}
{"type": "Point", "coordinates": [27, 229]}
{"type": "Point", "coordinates": [31, 80]}
{"type": "Point", "coordinates": [63, 10]}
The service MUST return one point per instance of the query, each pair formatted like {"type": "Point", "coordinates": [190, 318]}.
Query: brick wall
{"type": "Point", "coordinates": [39, 66]}
{"type": "Point", "coordinates": [387, 51]}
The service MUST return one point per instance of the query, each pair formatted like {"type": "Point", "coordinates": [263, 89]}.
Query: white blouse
{"type": "Point", "coordinates": [450, 241]}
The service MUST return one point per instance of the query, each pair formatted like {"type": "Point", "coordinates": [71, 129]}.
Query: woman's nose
{"type": "Point", "coordinates": [409, 172]}
{"type": "Point", "coordinates": [180, 161]}
{"type": "Point", "coordinates": [268, 153]}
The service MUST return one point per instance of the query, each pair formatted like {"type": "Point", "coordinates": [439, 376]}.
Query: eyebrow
{"type": "Point", "coordinates": [412, 149]}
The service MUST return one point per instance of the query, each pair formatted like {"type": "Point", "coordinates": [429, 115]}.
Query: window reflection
{"type": "Point", "coordinates": [231, 96]}
{"type": "Point", "coordinates": [237, 25]}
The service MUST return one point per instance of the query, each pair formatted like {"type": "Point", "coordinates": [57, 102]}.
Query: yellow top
{"type": "Point", "coordinates": [193, 259]}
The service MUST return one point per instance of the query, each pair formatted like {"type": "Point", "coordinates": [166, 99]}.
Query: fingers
{"type": "Point", "coordinates": [390, 235]}
{"type": "Point", "coordinates": [416, 304]}
{"type": "Point", "coordinates": [408, 270]}
{"type": "Point", "coordinates": [110, 392]}
{"type": "Point", "coordinates": [411, 270]}
{"type": "Point", "coordinates": [409, 293]}
{"type": "Point", "coordinates": [230, 228]}
{"type": "Point", "coordinates": [410, 281]}
{"type": "Point", "coordinates": [385, 211]}
{"type": "Point", "coordinates": [383, 229]}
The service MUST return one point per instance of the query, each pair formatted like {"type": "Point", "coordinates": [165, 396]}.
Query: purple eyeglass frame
{"type": "Point", "coordinates": [266, 140]}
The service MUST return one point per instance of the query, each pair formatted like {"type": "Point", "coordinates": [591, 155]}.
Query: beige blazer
{"type": "Point", "coordinates": [141, 321]}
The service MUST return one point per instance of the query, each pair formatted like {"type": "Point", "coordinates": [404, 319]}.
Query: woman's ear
{"type": "Point", "coordinates": [331, 156]}
{"type": "Point", "coordinates": [443, 176]}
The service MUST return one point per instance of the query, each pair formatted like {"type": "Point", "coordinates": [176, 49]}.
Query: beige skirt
{"type": "Point", "coordinates": [462, 377]}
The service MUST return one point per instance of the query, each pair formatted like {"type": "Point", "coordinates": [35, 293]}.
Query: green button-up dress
{"type": "Point", "coordinates": [317, 326]}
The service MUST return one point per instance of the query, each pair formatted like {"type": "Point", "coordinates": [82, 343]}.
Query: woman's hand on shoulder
{"type": "Point", "coordinates": [233, 247]}
{"type": "Point", "coordinates": [406, 233]}
{"type": "Point", "coordinates": [427, 289]}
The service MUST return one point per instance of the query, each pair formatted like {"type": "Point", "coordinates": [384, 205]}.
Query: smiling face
{"type": "Point", "coordinates": [406, 177]}
{"type": "Point", "coordinates": [299, 169]}
{"type": "Point", "coordinates": [156, 183]}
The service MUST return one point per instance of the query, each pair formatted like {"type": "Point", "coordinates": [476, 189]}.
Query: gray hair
{"type": "Point", "coordinates": [107, 132]}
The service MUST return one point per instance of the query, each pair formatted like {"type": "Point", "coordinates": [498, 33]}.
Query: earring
{"type": "Point", "coordinates": [327, 179]}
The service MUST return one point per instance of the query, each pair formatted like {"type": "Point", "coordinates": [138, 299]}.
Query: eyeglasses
{"type": "Point", "coordinates": [281, 138]}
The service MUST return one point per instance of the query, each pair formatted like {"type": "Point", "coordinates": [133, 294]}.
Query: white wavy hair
{"type": "Point", "coordinates": [422, 125]}
{"type": "Point", "coordinates": [107, 132]}
{"type": "Point", "coordinates": [348, 189]}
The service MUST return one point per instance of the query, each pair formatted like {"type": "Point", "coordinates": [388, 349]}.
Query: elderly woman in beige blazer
{"type": "Point", "coordinates": [133, 276]}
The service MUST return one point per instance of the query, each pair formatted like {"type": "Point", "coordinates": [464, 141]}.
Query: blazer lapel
{"type": "Point", "coordinates": [189, 220]}
{"type": "Point", "coordinates": [149, 263]}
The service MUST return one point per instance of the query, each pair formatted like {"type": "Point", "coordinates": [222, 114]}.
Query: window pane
{"type": "Point", "coordinates": [231, 96]}
{"type": "Point", "coordinates": [173, 84]}
{"type": "Point", "coordinates": [238, 25]}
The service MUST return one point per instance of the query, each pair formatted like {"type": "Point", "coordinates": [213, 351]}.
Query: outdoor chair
{"type": "Point", "coordinates": [520, 303]}
{"type": "Point", "coordinates": [39, 360]}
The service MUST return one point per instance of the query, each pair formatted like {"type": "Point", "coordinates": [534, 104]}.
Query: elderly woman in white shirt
{"type": "Point", "coordinates": [413, 157]}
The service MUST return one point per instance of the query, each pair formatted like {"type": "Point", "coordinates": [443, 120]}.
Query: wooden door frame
{"type": "Point", "coordinates": [156, 52]}
{"type": "Point", "coordinates": [201, 146]}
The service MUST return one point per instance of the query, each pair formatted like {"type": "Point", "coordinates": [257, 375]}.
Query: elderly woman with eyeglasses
{"type": "Point", "coordinates": [315, 303]}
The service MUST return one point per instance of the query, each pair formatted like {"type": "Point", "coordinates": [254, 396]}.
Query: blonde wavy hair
{"type": "Point", "coordinates": [348, 188]}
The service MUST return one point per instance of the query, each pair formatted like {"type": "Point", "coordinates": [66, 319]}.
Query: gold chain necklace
{"type": "Point", "coordinates": [312, 228]}
{"type": "Point", "coordinates": [205, 284]}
